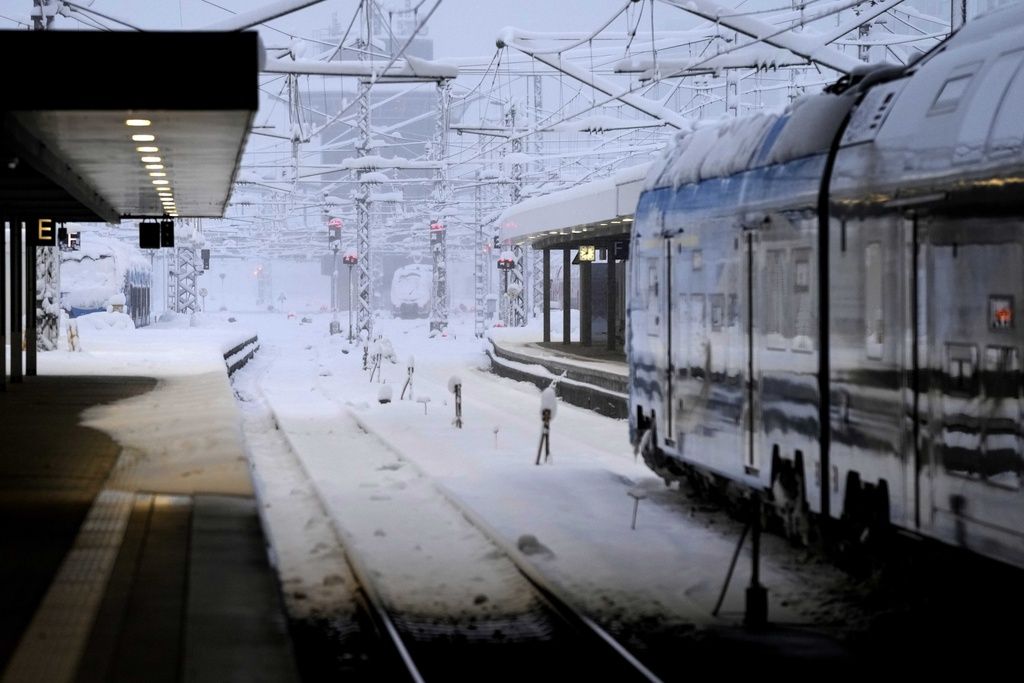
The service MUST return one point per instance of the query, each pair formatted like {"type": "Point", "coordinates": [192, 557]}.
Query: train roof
{"type": "Point", "coordinates": [729, 145]}
{"type": "Point", "coordinates": [956, 112]}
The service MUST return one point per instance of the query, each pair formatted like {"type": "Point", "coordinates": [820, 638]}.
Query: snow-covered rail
{"type": "Point", "coordinates": [449, 598]}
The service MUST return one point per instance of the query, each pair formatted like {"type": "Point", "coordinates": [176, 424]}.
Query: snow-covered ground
{"type": "Point", "coordinates": [398, 482]}
{"type": "Point", "coordinates": [379, 467]}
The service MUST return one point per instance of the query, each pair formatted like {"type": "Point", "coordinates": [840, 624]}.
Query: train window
{"type": "Point", "coordinates": [734, 310]}
{"type": "Point", "coordinates": [803, 318]}
{"type": "Point", "coordinates": [1007, 131]}
{"type": "Point", "coordinates": [950, 94]}
{"type": "Point", "coordinates": [961, 361]}
{"type": "Point", "coordinates": [774, 296]}
{"type": "Point", "coordinates": [717, 311]}
{"type": "Point", "coordinates": [652, 280]}
{"type": "Point", "coordinates": [697, 310]}
{"type": "Point", "coordinates": [874, 326]}
{"type": "Point", "coordinates": [983, 106]}
{"type": "Point", "coordinates": [1001, 359]}
{"type": "Point", "coordinates": [698, 259]}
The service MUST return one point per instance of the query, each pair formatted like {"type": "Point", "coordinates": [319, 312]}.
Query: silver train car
{"type": "Point", "coordinates": [822, 303]}
{"type": "Point", "coordinates": [410, 291]}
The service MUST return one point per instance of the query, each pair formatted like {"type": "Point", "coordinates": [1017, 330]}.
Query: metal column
{"type": "Point", "coordinates": [3, 301]}
{"type": "Point", "coordinates": [29, 303]}
{"type": "Point", "coordinates": [566, 294]}
{"type": "Point", "coordinates": [17, 297]}
{"type": "Point", "coordinates": [546, 308]}
{"type": "Point", "coordinates": [479, 265]}
{"type": "Point", "coordinates": [586, 310]}
{"type": "Point", "coordinates": [439, 301]}
{"type": "Point", "coordinates": [517, 276]}
{"type": "Point", "coordinates": [364, 317]}
{"type": "Point", "coordinates": [187, 279]}
{"type": "Point", "coordinates": [613, 295]}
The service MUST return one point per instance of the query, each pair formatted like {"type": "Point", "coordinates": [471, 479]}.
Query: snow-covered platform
{"type": "Point", "coordinates": [586, 376]}
{"type": "Point", "coordinates": [134, 545]}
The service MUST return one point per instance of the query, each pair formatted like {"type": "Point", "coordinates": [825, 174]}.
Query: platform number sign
{"type": "Point", "coordinates": [43, 233]}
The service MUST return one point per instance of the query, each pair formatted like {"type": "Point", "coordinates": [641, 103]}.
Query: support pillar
{"type": "Point", "coordinates": [3, 302]}
{"type": "Point", "coordinates": [613, 298]}
{"type": "Point", "coordinates": [547, 295]}
{"type": "Point", "coordinates": [566, 295]}
{"type": "Point", "coordinates": [29, 302]}
{"type": "Point", "coordinates": [47, 298]}
{"type": "Point", "coordinates": [17, 296]}
{"type": "Point", "coordinates": [586, 310]}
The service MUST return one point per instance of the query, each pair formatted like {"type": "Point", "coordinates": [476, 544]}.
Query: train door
{"type": "Point", "coordinates": [971, 345]}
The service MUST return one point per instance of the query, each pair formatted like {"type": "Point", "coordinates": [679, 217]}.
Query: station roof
{"type": "Point", "coordinates": [67, 150]}
{"type": "Point", "coordinates": [589, 212]}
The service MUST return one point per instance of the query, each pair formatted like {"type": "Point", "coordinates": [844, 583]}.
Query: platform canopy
{"type": "Point", "coordinates": [90, 119]}
{"type": "Point", "coordinates": [602, 208]}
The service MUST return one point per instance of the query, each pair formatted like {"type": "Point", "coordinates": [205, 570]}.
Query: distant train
{"type": "Point", "coordinates": [823, 302]}
{"type": "Point", "coordinates": [410, 291]}
{"type": "Point", "coordinates": [101, 268]}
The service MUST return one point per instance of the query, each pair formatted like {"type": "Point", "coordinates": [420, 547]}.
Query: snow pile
{"type": "Point", "coordinates": [105, 321]}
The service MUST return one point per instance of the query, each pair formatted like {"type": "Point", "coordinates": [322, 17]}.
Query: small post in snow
{"type": "Point", "coordinates": [548, 406]}
{"type": "Point", "coordinates": [408, 380]}
{"type": "Point", "coordinates": [637, 495]}
{"type": "Point", "coordinates": [377, 356]}
{"type": "Point", "coordinates": [366, 347]}
{"type": "Point", "coordinates": [455, 387]}
{"type": "Point", "coordinates": [497, 428]}
{"type": "Point", "coordinates": [424, 400]}
{"type": "Point", "coordinates": [384, 393]}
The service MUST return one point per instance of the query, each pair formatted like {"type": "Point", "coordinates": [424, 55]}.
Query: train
{"type": "Point", "coordinates": [822, 301]}
{"type": "Point", "coordinates": [410, 291]}
{"type": "Point", "coordinates": [103, 267]}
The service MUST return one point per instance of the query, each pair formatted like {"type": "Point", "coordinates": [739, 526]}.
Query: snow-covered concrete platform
{"type": "Point", "coordinates": [583, 376]}
{"type": "Point", "coordinates": [137, 537]}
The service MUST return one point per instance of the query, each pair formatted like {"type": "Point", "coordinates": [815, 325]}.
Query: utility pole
{"type": "Point", "coordinates": [480, 288]}
{"type": "Point", "coordinates": [517, 284]}
{"type": "Point", "coordinates": [364, 317]}
{"type": "Point", "coordinates": [43, 12]}
{"type": "Point", "coordinates": [439, 300]}
{"type": "Point", "coordinates": [536, 262]}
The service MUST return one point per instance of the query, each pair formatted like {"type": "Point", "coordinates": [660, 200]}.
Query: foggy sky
{"type": "Point", "coordinates": [460, 28]}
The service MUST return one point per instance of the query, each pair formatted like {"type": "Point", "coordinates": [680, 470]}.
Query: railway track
{"type": "Point", "coordinates": [542, 637]}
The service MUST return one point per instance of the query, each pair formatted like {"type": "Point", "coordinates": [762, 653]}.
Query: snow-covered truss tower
{"type": "Point", "coordinates": [47, 298]}
{"type": "Point", "coordinates": [364, 306]}
{"type": "Point", "coordinates": [516, 276]}
{"type": "Point", "coordinates": [480, 289]}
{"type": "Point", "coordinates": [439, 299]}
{"type": "Point", "coordinates": [188, 269]}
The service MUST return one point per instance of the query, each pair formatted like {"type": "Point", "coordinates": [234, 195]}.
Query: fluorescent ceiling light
{"type": "Point", "coordinates": [154, 167]}
{"type": "Point", "coordinates": [137, 122]}
{"type": "Point", "coordinates": [147, 150]}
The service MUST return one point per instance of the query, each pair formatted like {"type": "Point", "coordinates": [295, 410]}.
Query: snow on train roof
{"type": "Point", "coordinates": [721, 147]}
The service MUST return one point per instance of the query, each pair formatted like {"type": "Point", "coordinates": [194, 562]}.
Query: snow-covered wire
{"type": "Point", "coordinates": [84, 8]}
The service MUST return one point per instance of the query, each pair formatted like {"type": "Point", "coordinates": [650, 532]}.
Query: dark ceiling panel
{"type": "Point", "coordinates": [63, 121]}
